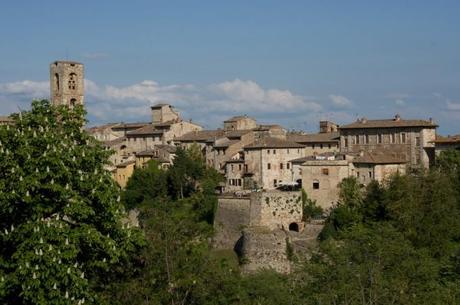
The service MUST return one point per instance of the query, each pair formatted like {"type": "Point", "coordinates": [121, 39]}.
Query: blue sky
{"type": "Point", "coordinates": [287, 62]}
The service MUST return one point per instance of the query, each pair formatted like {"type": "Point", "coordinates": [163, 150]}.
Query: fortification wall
{"type": "Point", "coordinates": [263, 248]}
{"type": "Point", "coordinates": [232, 216]}
{"type": "Point", "coordinates": [275, 210]}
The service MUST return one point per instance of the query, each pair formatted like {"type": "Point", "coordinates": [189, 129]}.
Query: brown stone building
{"type": "Point", "coordinates": [409, 139]}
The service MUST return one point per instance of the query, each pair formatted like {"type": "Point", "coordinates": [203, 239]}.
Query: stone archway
{"type": "Point", "coordinates": [294, 226]}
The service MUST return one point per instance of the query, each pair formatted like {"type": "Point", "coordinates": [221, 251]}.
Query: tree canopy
{"type": "Point", "coordinates": [62, 234]}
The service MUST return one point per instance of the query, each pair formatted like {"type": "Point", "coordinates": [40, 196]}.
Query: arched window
{"type": "Point", "coordinates": [73, 102]}
{"type": "Point", "coordinates": [72, 81]}
{"type": "Point", "coordinates": [56, 81]}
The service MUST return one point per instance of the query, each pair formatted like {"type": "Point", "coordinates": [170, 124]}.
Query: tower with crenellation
{"type": "Point", "coordinates": [66, 83]}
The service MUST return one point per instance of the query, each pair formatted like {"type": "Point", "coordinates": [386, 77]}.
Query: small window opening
{"type": "Point", "coordinates": [294, 227]}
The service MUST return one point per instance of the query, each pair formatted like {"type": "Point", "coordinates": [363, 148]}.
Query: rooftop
{"type": "Point", "coordinates": [381, 157]}
{"type": "Point", "coordinates": [396, 122]}
{"type": "Point", "coordinates": [200, 136]}
{"type": "Point", "coordinates": [314, 137]}
{"type": "Point", "coordinates": [269, 142]}
{"type": "Point", "coordinates": [146, 130]}
{"type": "Point", "coordinates": [455, 139]}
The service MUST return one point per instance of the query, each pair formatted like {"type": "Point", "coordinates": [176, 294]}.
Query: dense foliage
{"type": "Point", "coordinates": [61, 237]}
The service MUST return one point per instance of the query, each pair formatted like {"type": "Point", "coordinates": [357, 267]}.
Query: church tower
{"type": "Point", "coordinates": [66, 83]}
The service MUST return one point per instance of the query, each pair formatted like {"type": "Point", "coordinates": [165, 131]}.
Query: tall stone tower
{"type": "Point", "coordinates": [66, 83]}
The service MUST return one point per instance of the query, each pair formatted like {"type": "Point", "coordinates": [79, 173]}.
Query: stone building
{"type": "Point", "coordinates": [163, 154]}
{"type": "Point", "coordinates": [242, 122]}
{"type": "Point", "coordinates": [446, 143]}
{"type": "Point", "coordinates": [321, 175]}
{"type": "Point", "coordinates": [66, 83]}
{"type": "Point", "coordinates": [123, 171]}
{"type": "Point", "coordinates": [6, 120]}
{"type": "Point", "coordinates": [267, 162]}
{"type": "Point", "coordinates": [409, 139]}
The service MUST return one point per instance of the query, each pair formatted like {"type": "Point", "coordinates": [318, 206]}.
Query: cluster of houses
{"type": "Point", "coordinates": [254, 156]}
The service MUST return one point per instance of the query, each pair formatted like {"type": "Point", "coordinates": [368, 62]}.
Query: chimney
{"type": "Point", "coordinates": [363, 120]}
{"type": "Point", "coordinates": [397, 118]}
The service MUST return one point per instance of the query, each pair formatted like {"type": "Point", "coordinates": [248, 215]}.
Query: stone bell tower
{"type": "Point", "coordinates": [66, 83]}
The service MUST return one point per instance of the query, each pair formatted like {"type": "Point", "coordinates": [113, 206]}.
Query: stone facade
{"type": "Point", "coordinates": [66, 83]}
{"type": "Point", "coordinates": [240, 123]}
{"type": "Point", "coordinates": [267, 162]}
{"type": "Point", "coordinates": [320, 180]}
{"type": "Point", "coordinates": [409, 139]}
{"type": "Point", "coordinates": [256, 226]}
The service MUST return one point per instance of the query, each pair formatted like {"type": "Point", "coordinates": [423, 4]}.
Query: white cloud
{"type": "Point", "coordinates": [209, 103]}
{"type": "Point", "coordinates": [28, 88]}
{"type": "Point", "coordinates": [453, 106]}
{"type": "Point", "coordinates": [400, 102]}
{"type": "Point", "coordinates": [340, 101]}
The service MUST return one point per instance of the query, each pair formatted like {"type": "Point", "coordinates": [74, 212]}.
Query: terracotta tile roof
{"type": "Point", "coordinates": [114, 142]}
{"type": "Point", "coordinates": [273, 143]}
{"type": "Point", "coordinates": [101, 127]}
{"type": "Point", "coordinates": [225, 143]}
{"type": "Point", "coordinates": [382, 157]}
{"type": "Point", "coordinates": [390, 123]}
{"type": "Point", "coordinates": [329, 137]}
{"type": "Point", "coordinates": [200, 136]}
{"type": "Point", "coordinates": [447, 140]}
{"type": "Point", "coordinates": [166, 147]}
{"type": "Point", "coordinates": [236, 133]}
{"type": "Point", "coordinates": [130, 125]}
{"type": "Point", "coordinates": [146, 130]}
{"type": "Point", "coordinates": [126, 163]}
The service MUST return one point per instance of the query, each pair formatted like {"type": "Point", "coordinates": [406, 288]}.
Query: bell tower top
{"type": "Point", "coordinates": [66, 83]}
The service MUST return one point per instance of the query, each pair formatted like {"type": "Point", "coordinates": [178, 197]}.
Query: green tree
{"type": "Point", "coordinates": [60, 211]}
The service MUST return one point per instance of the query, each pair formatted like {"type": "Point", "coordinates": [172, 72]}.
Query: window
{"type": "Point", "coordinates": [392, 138]}
{"type": "Point", "coordinates": [403, 137]}
{"type": "Point", "coordinates": [417, 141]}
{"type": "Point", "coordinates": [357, 174]}
{"type": "Point", "coordinates": [287, 151]}
{"type": "Point", "coordinates": [346, 142]}
{"type": "Point", "coordinates": [268, 151]}
{"type": "Point", "coordinates": [315, 184]}
{"type": "Point", "coordinates": [379, 139]}
{"type": "Point", "coordinates": [325, 171]}
{"type": "Point", "coordinates": [321, 146]}
{"type": "Point", "coordinates": [246, 168]}
{"type": "Point", "coordinates": [72, 81]}
{"type": "Point", "coordinates": [73, 102]}
{"type": "Point", "coordinates": [288, 165]}
{"type": "Point", "coordinates": [231, 166]}
{"type": "Point", "coordinates": [269, 166]}
{"type": "Point", "coordinates": [281, 165]}
{"type": "Point", "coordinates": [366, 139]}
{"type": "Point", "coordinates": [274, 151]}
{"type": "Point", "coordinates": [370, 175]}
{"type": "Point", "coordinates": [298, 151]}
{"type": "Point", "coordinates": [313, 146]}
{"type": "Point", "coordinates": [275, 183]}
{"type": "Point", "coordinates": [329, 146]}
{"type": "Point", "coordinates": [357, 139]}
{"type": "Point", "coordinates": [56, 81]}
{"type": "Point", "coordinates": [239, 166]}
